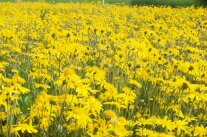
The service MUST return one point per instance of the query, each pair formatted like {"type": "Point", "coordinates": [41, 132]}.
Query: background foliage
{"type": "Point", "coordinates": [172, 3]}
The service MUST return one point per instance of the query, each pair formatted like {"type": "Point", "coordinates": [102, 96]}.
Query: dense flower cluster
{"type": "Point", "coordinates": [102, 70]}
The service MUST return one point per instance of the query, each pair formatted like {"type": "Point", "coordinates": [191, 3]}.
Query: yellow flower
{"type": "Point", "coordinates": [23, 128]}
{"type": "Point", "coordinates": [137, 84]}
{"type": "Point", "coordinates": [200, 131]}
{"type": "Point", "coordinates": [181, 126]}
{"type": "Point", "coordinates": [109, 114]}
{"type": "Point", "coordinates": [93, 105]}
{"type": "Point", "coordinates": [80, 118]}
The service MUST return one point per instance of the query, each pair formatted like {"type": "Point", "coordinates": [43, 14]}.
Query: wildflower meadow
{"type": "Point", "coordinates": [102, 70]}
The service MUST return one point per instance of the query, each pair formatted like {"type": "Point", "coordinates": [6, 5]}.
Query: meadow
{"type": "Point", "coordinates": [102, 70]}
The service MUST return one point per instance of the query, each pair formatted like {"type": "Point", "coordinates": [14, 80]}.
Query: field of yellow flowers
{"type": "Point", "coordinates": [102, 70]}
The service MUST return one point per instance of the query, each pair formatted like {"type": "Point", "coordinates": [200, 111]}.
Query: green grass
{"type": "Point", "coordinates": [173, 3]}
